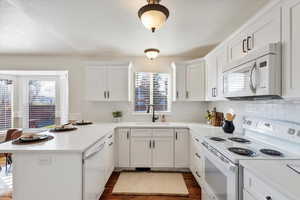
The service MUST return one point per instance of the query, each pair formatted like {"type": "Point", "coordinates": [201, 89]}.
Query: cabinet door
{"type": "Point", "coordinates": [163, 152]}
{"type": "Point", "coordinates": [221, 62]}
{"type": "Point", "coordinates": [236, 49]}
{"type": "Point", "coordinates": [195, 76]}
{"type": "Point", "coordinates": [211, 76]}
{"type": "Point", "coordinates": [96, 83]}
{"type": "Point", "coordinates": [141, 152]}
{"type": "Point", "coordinates": [265, 30]}
{"type": "Point", "coordinates": [118, 83]}
{"type": "Point", "coordinates": [123, 147]}
{"type": "Point", "coordinates": [291, 48]}
{"type": "Point", "coordinates": [180, 82]}
{"type": "Point", "coordinates": [109, 158]}
{"type": "Point", "coordinates": [181, 148]}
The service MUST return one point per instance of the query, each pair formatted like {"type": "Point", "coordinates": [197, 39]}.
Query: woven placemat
{"type": "Point", "coordinates": [20, 142]}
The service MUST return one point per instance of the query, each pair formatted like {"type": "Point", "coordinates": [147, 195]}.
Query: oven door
{"type": "Point", "coordinates": [240, 81]}
{"type": "Point", "coordinates": [221, 176]}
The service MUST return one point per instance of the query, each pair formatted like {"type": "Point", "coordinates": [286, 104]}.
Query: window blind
{"type": "Point", "coordinates": [151, 88]}
{"type": "Point", "coordinates": [6, 90]}
{"type": "Point", "coordinates": [41, 103]}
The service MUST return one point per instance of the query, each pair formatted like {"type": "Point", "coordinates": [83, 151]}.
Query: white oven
{"type": "Point", "coordinates": [257, 75]}
{"type": "Point", "coordinates": [221, 175]}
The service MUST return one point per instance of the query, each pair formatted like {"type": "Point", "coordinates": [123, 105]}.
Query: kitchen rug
{"type": "Point", "coordinates": [151, 183]}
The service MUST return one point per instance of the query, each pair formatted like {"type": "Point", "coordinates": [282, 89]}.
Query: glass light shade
{"type": "Point", "coordinates": [153, 19]}
{"type": "Point", "coordinates": [151, 53]}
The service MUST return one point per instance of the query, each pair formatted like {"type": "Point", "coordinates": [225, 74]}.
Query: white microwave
{"type": "Point", "coordinates": [257, 75]}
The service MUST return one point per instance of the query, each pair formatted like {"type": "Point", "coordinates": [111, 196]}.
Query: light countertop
{"type": "Point", "coordinates": [277, 175]}
{"type": "Point", "coordinates": [85, 136]}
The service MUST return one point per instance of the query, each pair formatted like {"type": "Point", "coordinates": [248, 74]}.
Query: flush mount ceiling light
{"type": "Point", "coordinates": [151, 53]}
{"type": "Point", "coordinates": [153, 15]}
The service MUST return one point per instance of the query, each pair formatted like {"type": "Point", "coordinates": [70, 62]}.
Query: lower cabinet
{"type": "Point", "coordinates": [196, 160]}
{"type": "Point", "coordinates": [181, 148]}
{"type": "Point", "coordinates": [123, 147]}
{"type": "Point", "coordinates": [141, 152]}
{"type": "Point", "coordinates": [152, 148]}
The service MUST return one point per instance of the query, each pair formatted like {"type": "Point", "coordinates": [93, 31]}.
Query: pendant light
{"type": "Point", "coordinates": [153, 15]}
{"type": "Point", "coordinates": [151, 53]}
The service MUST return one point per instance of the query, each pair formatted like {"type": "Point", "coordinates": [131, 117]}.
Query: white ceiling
{"type": "Point", "coordinates": [112, 28]}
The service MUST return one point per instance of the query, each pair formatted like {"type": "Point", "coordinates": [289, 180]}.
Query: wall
{"type": "Point", "coordinates": [275, 109]}
{"type": "Point", "coordinates": [100, 111]}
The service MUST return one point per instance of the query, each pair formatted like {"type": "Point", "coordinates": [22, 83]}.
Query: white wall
{"type": "Point", "coordinates": [100, 111]}
{"type": "Point", "coordinates": [276, 109]}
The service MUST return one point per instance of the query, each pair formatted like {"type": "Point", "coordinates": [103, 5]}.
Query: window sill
{"type": "Point", "coordinates": [167, 113]}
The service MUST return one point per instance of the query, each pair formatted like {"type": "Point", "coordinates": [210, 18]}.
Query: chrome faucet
{"type": "Point", "coordinates": [154, 117]}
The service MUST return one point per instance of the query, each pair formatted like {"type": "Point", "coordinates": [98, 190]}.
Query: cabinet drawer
{"type": "Point", "coordinates": [259, 189]}
{"type": "Point", "coordinates": [163, 132]}
{"type": "Point", "coordinates": [141, 132]}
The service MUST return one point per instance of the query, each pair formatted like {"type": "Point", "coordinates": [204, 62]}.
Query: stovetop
{"type": "Point", "coordinates": [237, 147]}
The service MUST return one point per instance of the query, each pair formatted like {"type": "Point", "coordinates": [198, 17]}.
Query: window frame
{"type": "Point", "coordinates": [169, 111]}
{"type": "Point", "coordinates": [13, 78]}
{"type": "Point", "coordinates": [24, 100]}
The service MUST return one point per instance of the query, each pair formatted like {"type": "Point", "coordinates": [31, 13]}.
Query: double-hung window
{"type": "Point", "coordinates": [152, 89]}
{"type": "Point", "coordinates": [6, 103]}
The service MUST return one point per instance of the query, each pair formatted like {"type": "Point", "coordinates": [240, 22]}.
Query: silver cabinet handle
{"type": "Point", "coordinates": [110, 136]}
{"type": "Point", "coordinates": [187, 94]}
{"type": "Point", "coordinates": [197, 155]}
{"type": "Point", "coordinates": [248, 43]}
{"type": "Point", "coordinates": [177, 94]}
{"type": "Point", "coordinates": [176, 135]}
{"type": "Point", "coordinates": [111, 143]}
{"type": "Point", "coordinates": [108, 94]}
{"type": "Point", "coordinates": [243, 47]}
{"type": "Point", "coordinates": [251, 84]}
{"type": "Point", "coordinates": [153, 144]}
{"type": "Point", "coordinates": [104, 94]}
{"type": "Point", "coordinates": [150, 146]}
{"type": "Point", "coordinates": [197, 139]}
{"type": "Point", "coordinates": [198, 174]}
{"type": "Point", "coordinates": [268, 198]}
{"type": "Point", "coordinates": [127, 135]}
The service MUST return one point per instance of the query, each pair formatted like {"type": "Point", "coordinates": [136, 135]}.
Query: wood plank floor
{"type": "Point", "coordinates": [192, 185]}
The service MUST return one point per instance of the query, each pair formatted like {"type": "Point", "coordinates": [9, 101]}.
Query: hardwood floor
{"type": "Point", "coordinates": [192, 185]}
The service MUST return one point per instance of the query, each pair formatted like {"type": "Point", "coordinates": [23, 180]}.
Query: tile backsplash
{"type": "Point", "coordinates": [276, 109]}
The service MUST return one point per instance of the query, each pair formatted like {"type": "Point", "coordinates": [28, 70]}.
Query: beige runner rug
{"type": "Point", "coordinates": [151, 183]}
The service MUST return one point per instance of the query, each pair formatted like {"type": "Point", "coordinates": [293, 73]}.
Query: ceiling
{"type": "Point", "coordinates": [112, 28]}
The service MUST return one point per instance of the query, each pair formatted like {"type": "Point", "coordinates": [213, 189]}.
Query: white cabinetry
{"type": "Point", "coordinates": [196, 161]}
{"type": "Point", "coordinates": [189, 80]}
{"type": "Point", "coordinates": [291, 48]}
{"type": "Point", "coordinates": [123, 146]}
{"type": "Point", "coordinates": [215, 63]}
{"type": "Point", "coordinates": [109, 158]}
{"type": "Point", "coordinates": [152, 148]}
{"type": "Point", "coordinates": [256, 189]}
{"type": "Point", "coordinates": [262, 30]}
{"type": "Point", "coordinates": [182, 148]}
{"type": "Point", "coordinates": [108, 82]}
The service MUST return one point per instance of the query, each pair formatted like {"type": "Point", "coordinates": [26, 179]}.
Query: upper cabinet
{"type": "Point", "coordinates": [108, 82]}
{"type": "Point", "coordinates": [291, 48]}
{"type": "Point", "coordinates": [260, 31]}
{"type": "Point", "coordinates": [189, 80]}
{"type": "Point", "coordinates": [215, 63]}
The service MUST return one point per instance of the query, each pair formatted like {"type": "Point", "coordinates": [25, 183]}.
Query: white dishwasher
{"type": "Point", "coordinates": [94, 171]}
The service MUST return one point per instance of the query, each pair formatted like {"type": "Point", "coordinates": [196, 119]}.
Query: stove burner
{"type": "Point", "coordinates": [217, 139]}
{"type": "Point", "coordinates": [239, 140]}
{"type": "Point", "coordinates": [242, 151]}
{"type": "Point", "coordinates": [271, 152]}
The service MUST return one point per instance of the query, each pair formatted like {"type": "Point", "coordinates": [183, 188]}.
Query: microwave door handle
{"type": "Point", "coordinates": [251, 84]}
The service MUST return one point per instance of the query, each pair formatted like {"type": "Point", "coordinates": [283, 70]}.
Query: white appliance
{"type": "Point", "coordinates": [256, 75]}
{"type": "Point", "coordinates": [262, 139]}
{"type": "Point", "coordinates": [94, 177]}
